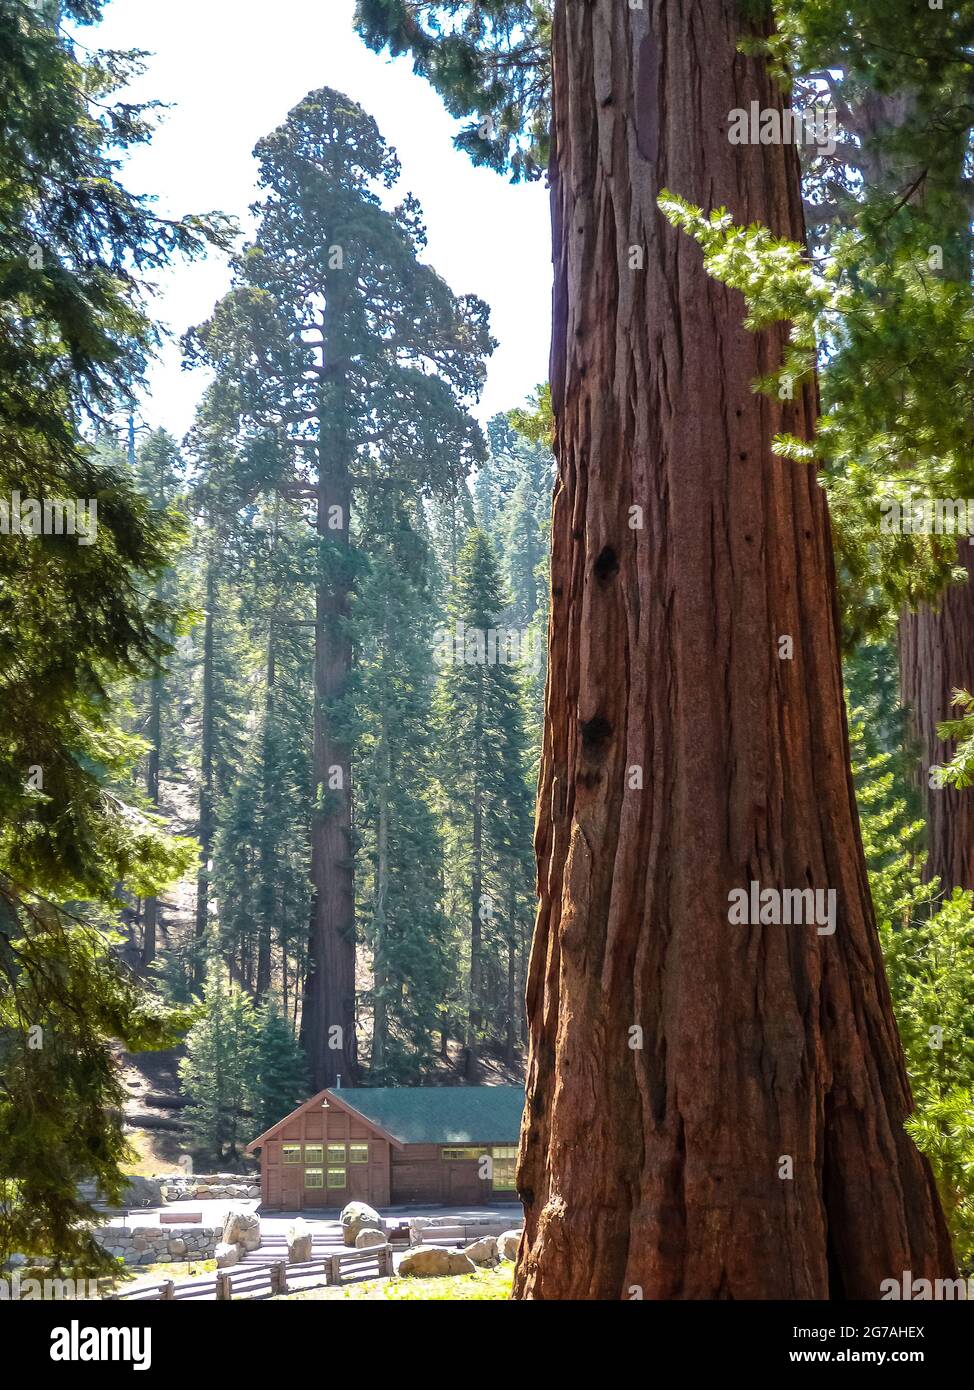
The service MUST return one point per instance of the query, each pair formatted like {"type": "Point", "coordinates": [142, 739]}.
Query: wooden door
{"type": "Point", "coordinates": [292, 1187]}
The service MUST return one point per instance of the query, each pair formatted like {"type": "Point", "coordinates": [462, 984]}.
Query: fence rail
{"type": "Point", "coordinates": [258, 1281]}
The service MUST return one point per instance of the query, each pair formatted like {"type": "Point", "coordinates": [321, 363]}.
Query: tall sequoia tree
{"type": "Point", "coordinates": [352, 364]}
{"type": "Point", "coordinates": [757, 1042]}
{"type": "Point", "coordinates": [677, 1062]}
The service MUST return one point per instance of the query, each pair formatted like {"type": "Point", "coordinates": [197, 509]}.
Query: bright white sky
{"type": "Point", "coordinates": [231, 70]}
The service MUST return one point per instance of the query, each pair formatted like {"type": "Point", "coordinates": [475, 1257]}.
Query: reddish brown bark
{"type": "Point", "coordinates": [659, 1167]}
{"type": "Point", "coordinates": [328, 1012]}
{"type": "Point", "coordinates": [936, 658]}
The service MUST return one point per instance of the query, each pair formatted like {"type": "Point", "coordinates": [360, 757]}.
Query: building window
{"type": "Point", "coordinates": [314, 1177]}
{"type": "Point", "coordinates": [291, 1153]}
{"type": "Point", "coordinates": [336, 1153]}
{"type": "Point", "coordinates": [336, 1177]}
{"type": "Point", "coordinates": [314, 1154]}
{"type": "Point", "coordinates": [504, 1162]}
{"type": "Point", "coordinates": [459, 1153]}
{"type": "Point", "coordinates": [358, 1153]}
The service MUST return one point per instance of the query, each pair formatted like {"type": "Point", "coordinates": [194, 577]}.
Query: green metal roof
{"type": "Point", "coordinates": [441, 1114]}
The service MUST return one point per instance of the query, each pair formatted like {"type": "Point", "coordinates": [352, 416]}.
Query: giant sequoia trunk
{"type": "Point", "coordinates": [936, 658]}
{"type": "Point", "coordinates": [328, 1015]}
{"type": "Point", "coordinates": [659, 1160]}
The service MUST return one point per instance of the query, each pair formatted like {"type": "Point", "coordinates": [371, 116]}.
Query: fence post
{"type": "Point", "coordinates": [224, 1289]}
{"type": "Point", "coordinates": [335, 1269]}
{"type": "Point", "coordinates": [167, 1289]}
{"type": "Point", "coordinates": [385, 1261]}
{"type": "Point", "coordinates": [278, 1277]}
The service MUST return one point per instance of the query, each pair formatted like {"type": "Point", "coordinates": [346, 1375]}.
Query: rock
{"type": "Point", "coordinates": [243, 1228]}
{"type": "Point", "coordinates": [143, 1192]}
{"type": "Point", "coordinates": [483, 1251]}
{"type": "Point", "coordinates": [369, 1237]}
{"type": "Point", "coordinates": [507, 1244]}
{"type": "Point", "coordinates": [177, 1248]}
{"type": "Point", "coordinates": [226, 1254]}
{"type": "Point", "coordinates": [426, 1260]}
{"type": "Point", "coordinates": [298, 1242]}
{"type": "Point", "coordinates": [356, 1217]}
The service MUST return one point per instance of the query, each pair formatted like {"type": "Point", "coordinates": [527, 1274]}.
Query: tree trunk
{"type": "Point", "coordinates": [150, 910]}
{"type": "Point", "coordinates": [206, 802]}
{"type": "Point", "coordinates": [660, 1160]}
{"type": "Point", "coordinates": [267, 850]}
{"type": "Point", "coordinates": [380, 980]}
{"type": "Point", "coordinates": [329, 1001]}
{"type": "Point", "coordinates": [936, 658]}
{"type": "Point", "coordinates": [510, 1005]}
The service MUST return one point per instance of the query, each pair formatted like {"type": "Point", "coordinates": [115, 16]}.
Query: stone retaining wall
{"type": "Point", "coordinates": [148, 1245]}
{"type": "Point", "coordinates": [180, 1188]}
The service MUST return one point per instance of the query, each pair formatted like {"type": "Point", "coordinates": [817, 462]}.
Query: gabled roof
{"type": "Point", "coordinates": [426, 1114]}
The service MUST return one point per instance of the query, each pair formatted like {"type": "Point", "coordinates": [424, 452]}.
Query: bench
{"type": "Point", "coordinates": [179, 1218]}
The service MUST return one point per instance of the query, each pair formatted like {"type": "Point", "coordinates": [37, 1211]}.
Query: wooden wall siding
{"type": "Point", "coordinates": [282, 1184]}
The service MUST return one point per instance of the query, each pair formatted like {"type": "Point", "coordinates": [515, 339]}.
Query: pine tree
{"type": "Point", "coordinates": [400, 847]}
{"type": "Point", "coordinates": [76, 616]}
{"type": "Point", "coordinates": [219, 1066]}
{"type": "Point", "coordinates": [928, 944]}
{"type": "Point", "coordinates": [280, 1079]}
{"type": "Point", "coordinates": [485, 795]}
{"type": "Point", "coordinates": [489, 59]}
{"type": "Point", "coordinates": [351, 364]}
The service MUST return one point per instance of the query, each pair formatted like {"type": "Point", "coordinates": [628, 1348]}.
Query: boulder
{"type": "Point", "coordinates": [243, 1228]}
{"type": "Point", "coordinates": [226, 1254]}
{"type": "Point", "coordinates": [357, 1217]}
{"type": "Point", "coordinates": [177, 1248]}
{"type": "Point", "coordinates": [507, 1244]}
{"type": "Point", "coordinates": [483, 1251]}
{"type": "Point", "coordinates": [424, 1261]}
{"type": "Point", "coordinates": [369, 1237]}
{"type": "Point", "coordinates": [298, 1242]}
{"type": "Point", "coordinates": [143, 1192]}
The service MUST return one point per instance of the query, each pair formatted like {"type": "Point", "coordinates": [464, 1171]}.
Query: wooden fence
{"type": "Point", "coordinates": [266, 1281]}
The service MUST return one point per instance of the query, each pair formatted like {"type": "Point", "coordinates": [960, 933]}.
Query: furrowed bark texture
{"type": "Point", "coordinates": [658, 1166]}
{"type": "Point", "coordinates": [329, 998]}
{"type": "Point", "coordinates": [936, 658]}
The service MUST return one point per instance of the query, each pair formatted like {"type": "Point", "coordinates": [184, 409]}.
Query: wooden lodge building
{"type": "Point", "coordinates": [390, 1145]}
